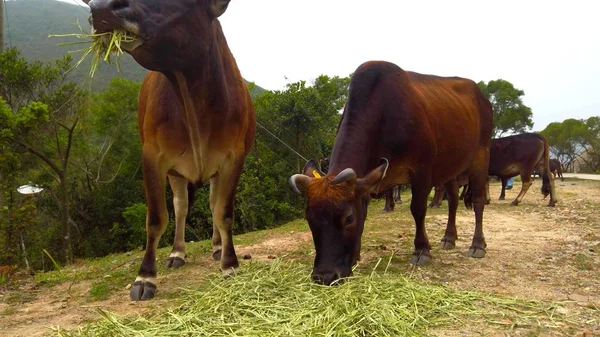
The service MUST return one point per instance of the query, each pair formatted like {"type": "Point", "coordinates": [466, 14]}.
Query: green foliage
{"type": "Point", "coordinates": [84, 149]}
{"type": "Point", "coordinates": [132, 231]}
{"type": "Point", "coordinates": [575, 140]}
{"type": "Point", "coordinates": [510, 114]}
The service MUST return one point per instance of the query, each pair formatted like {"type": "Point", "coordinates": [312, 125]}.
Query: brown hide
{"type": "Point", "coordinates": [195, 119]}
{"type": "Point", "coordinates": [519, 155]}
{"type": "Point", "coordinates": [429, 128]}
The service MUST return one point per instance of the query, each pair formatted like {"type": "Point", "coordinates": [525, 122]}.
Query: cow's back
{"type": "Point", "coordinates": [459, 116]}
{"type": "Point", "coordinates": [418, 120]}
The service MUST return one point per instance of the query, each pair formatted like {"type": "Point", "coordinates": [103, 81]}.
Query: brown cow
{"type": "Point", "coordinates": [519, 155]}
{"type": "Point", "coordinates": [196, 119]}
{"type": "Point", "coordinates": [397, 127]}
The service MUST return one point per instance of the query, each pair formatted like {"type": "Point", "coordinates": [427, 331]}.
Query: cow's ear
{"type": "Point", "coordinates": [311, 169]}
{"type": "Point", "coordinates": [218, 7]}
{"type": "Point", "coordinates": [370, 182]}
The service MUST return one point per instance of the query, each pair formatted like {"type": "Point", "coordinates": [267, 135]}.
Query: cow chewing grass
{"type": "Point", "coordinates": [105, 46]}
{"type": "Point", "coordinates": [280, 299]}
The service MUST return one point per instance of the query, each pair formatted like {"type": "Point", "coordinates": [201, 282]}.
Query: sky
{"type": "Point", "coordinates": [548, 49]}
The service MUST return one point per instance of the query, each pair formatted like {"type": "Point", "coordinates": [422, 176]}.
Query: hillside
{"type": "Point", "coordinates": [29, 22]}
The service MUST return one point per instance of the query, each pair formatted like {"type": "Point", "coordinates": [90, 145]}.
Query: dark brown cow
{"type": "Point", "coordinates": [519, 155]}
{"type": "Point", "coordinates": [555, 168]}
{"type": "Point", "coordinates": [392, 196]}
{"type": "Point", "coordinates": [397, 127]}
{"type": "Point", "coordinates": [439, 194]}
{"type": "Point", "coordinates": [196, 119]}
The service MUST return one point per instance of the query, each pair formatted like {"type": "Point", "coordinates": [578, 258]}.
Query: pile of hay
{"type": "Point", "coordinates": [96, 47]}
{"type": "Point", "coordinates": [279, 299]}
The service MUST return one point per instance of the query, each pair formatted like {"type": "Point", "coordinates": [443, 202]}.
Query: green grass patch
{"type": "Point", "coordinates": [584, 262]}
{"type": "Point", "coordinates": [8, 311]}
{"type": "Point", "coordinates": [279, 299]}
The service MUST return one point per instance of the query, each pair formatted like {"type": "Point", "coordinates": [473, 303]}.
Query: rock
{"type": "Point", "coordinates": [247, 257]}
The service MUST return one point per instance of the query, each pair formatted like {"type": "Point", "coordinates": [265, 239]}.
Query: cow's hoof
{"type": "Point", "coordinates": [476, 252]}
{"type": "Point", "coordinates": [142, 290]}
{"type": "Point", "coordinates": [217, 255]}
{"type": "Point", "coordinates": [387, 210]}
{"type": "Point", "coordinates": [447, 244]}
{"type": "Point", "coordinates": [420, 258]}
{"type": "Point", "coordinates": [515, 202]}
{"type": "Point", "coordinates": [552, 203]}
{"type": "Point", "coordinates": [175, 262]}
{"type": "Point", "coordinates": [501, 198]}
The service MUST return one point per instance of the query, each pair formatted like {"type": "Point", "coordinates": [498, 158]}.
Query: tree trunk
{"type": "Point", "coordinates": [65, 219]}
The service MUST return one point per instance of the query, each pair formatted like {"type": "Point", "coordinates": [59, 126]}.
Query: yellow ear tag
{"type": "Point", "coordinates": [316, 174]}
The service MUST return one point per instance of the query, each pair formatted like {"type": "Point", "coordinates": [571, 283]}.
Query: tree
{"type": "Point", "coordinates": [510, 114]}
{"type": "Point", "coordinates": [575, 140]}
{"type": "Point", "coordinates": [41, 113]}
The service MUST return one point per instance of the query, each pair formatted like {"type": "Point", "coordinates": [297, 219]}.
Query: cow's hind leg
{"type": "Point", "coordinates": [503, 192]}
{"type": "Point", "coordinates": [438, 196]}
{"type": "Point", "coordinates": [222, 198]}
{"type": "Point", "coordinates": [478, 179]}
{"type": "Point", "coordinates": [180, 205]}
{"type": "Point", "coordinates": [525, 184]}
{"type": "Point", "coordinates": [420, 188]}
{"type": "Point", "coordinates": [154, 177]}
{"type": "Point", "coordinates": [397, 195]}
{"type": "Point", "coordinates": [449, 239]}
{"type": "Point", "coordinates": [389, 200]}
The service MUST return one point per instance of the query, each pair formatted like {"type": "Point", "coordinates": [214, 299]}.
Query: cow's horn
{"type": "Point", "coordinates": [298, 179]}
{"type": "Point", "coordinates": [345, 175]}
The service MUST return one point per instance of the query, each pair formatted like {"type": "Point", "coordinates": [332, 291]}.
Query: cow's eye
{"type": "Point", "coordinates": [349, 219]}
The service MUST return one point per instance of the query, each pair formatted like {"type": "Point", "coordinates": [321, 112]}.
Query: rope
{"type": "Point", "coordinates": [7, 24]}
{"type": "Point", "coordinates": [282, 142]}
{"type": "Point", "coordinates": [80, 6]}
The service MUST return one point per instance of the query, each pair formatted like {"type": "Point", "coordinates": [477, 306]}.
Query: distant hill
{"type": "Point", "coordinates": [29, 22]}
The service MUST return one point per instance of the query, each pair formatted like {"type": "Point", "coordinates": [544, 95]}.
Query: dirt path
{"type": "Point", "coordinates": [534, 252]}
{"type": "Point", "coordinates": [586, 176]}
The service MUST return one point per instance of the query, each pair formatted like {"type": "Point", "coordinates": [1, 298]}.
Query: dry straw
{"type": "Point", "coordinates": [279, 299]}
{"type": "Point", "coordinates": [97, 48]}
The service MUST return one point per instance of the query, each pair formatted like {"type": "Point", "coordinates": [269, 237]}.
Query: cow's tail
{"type": "Point", "coordinates": [546, 184]}
{"type": "Point", "coordinates": [191, 196]}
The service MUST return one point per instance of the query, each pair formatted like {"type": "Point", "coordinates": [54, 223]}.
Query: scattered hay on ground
{"type": "Point", "coordinates": [280, 299]}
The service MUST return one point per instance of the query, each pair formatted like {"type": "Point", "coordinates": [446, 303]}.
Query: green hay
{"type": "Point", "coordinates": [97, 48]}
{"type": "Point", "coordinates": [279, 299]}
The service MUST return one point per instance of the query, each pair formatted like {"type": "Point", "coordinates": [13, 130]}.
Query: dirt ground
{"type": "Point", "coordinates": [534, 252]}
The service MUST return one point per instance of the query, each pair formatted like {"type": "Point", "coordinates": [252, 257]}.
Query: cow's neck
{"type": "Point", "coordinates": [356, 146]}
{"type": "Point", "coordinates": [202, 93]}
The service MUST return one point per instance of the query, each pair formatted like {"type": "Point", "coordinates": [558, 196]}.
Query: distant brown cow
{"type": "Point", "coordinates": [195, 119]}
{"type": "Point", "coordinates": [398, 127]}
{"type": "Point", "coordinates": [519, 155]}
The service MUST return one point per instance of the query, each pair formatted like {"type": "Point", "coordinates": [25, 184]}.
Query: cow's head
{"type": "Point", "coordinates": [171, 33]}
{"type": "Point", "coordinates": [336, 211]}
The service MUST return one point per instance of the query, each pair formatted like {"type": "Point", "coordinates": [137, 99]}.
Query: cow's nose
{"type": "Point", "coordinates": [326, 278]}
{"type": "Point", "coordinates": [107, 14]}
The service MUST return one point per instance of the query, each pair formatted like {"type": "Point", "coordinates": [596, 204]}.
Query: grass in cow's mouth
{"type": "Point", "coordinates": [97, 48]}
{"type": "Point", "coordinates": [279, 299]}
